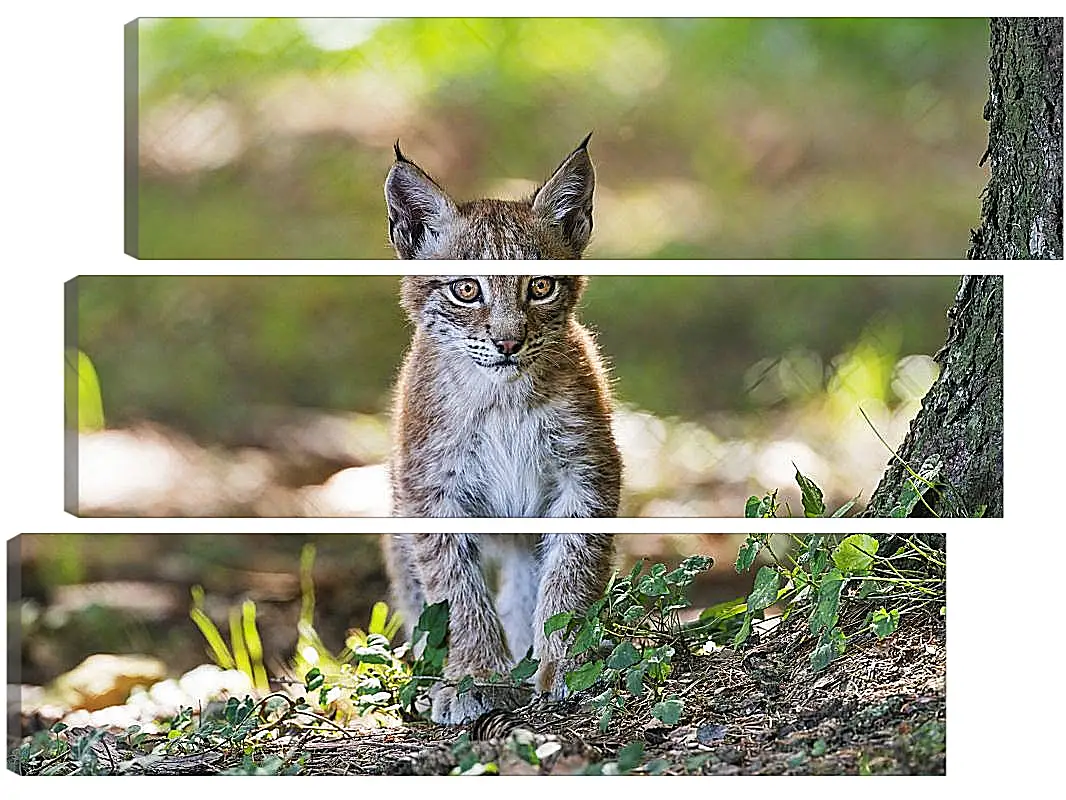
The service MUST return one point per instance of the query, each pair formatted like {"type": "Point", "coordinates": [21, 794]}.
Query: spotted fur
{"type": "Point", "coordinates": [502, 410]}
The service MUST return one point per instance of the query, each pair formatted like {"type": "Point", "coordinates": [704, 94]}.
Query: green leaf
{"type": "Point", "coordinates": [818, 563]}
{"type": "Point", "coordinates": [868, 587]}
{"type": "Point", "coordinates": [314, 679]}
{"type": "Point", "coordinates": [379, 616]}
{"type": "Point", "coordinates": [751, 508]}
{"type": "Point", "coordinates": [746, 554]}
{"type": "Point", "coordinates": [584, 676]}
{"type": "Point", "coordinates": [432, 661]}
{"type": "Point", "coordinates": [824, 615]}
{"type": "Point", "coordinates": [653, 586]}
{"type": "Point", "coordinates": [433, 621]}
{"type": "Point", "coordinates": [765, 508]}
{"type": "Point", "coordinates": [590, 635]}
{"type": "Point", "coordinates": [526, 752]}
{"type": "Point", "coordinates": [695, 762]}
{"type": "Point", "coordinates": [764, 593]}
{"type": "Point", "coordinates": [635, 681]}
{"type": "Point", "coordinates": [844, 509]}
{"type": "Point", "coordinates": [725, 610]}
{"type": "Point", "coordinates": [603, 698]}
{"type": "Point", "coordinates": [367, 655]}
{"type": "Point", "coordinates": [632, 614]}
{"type": "Point", "coordinates": [657, 661]}
{"type": "Point", "coordinates": [855, 554]}
{"type": "Point", "coordinates": [831, 645]}
{"type": "Point", "coordinates": [637, 569]}
{"type": "Point", "coordinates": [914, 488]}
{"type": "Point", "coordinates": [84, 403]}
{"type": "Point", "coordinates": [884, 623]}
{"type": "Point", "coordinates": [678, 578]}
{"type": "Point", "coordinates": [694, 565]}
{"type": "Point", "coordinates": [524, 669]}
{"type": "Point", "coordinates": [408, 693]}
{"type": "Point", "coordinates": [813, 504]}
{"type": "Point", "coordinates": [668, 711]}
{"type": "Point", "coordinates": [488, 768]}
{"type": "Point", "coordinates": [556, 622]}
{"type": "Point", "coordinates": [605, 718]}
{"type": "Point", "coordinates": [744, 632]}
{"type": "Point", "coordinates": [657, 766]}
{"type": "Point", "coordinates": [624, 655]}
{"type": "Point", "coordinates": [465, 685]}
{"type": "Point", "coordinates": [630, 756]}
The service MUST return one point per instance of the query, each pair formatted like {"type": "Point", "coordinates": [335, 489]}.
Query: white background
{"type": "Point", "coordinates": [62, 134]}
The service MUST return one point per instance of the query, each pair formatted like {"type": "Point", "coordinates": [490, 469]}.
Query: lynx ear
{"type": "Point", "coordinates": [566, 198]}
{"type": "Point", "coordinates": [418, 207]}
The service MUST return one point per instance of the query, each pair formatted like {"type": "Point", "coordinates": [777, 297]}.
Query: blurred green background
{"type": "Point", "coordinates": [196, 352]}
{"type": "Point", "coordinates": [713, 138]}
{"type": "Point", "coordinates": [264, 381]}
{"type": "Point", "coordinates": [78, 594]}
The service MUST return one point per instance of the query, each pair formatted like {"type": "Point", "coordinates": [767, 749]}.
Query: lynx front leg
{"type": "Point", "coordinates": [407, 595]}
{"type": "Point", "coordinates": [449, 567]}
{"type": "Point", "coordinates": [575, 568]}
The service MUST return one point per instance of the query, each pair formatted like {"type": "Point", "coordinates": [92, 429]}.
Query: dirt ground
{"type": "Point", "coordinates": [878, 709]}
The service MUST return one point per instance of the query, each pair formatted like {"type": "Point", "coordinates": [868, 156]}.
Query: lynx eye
{"type": "Point", "coordinates": [465, 290]}
{"type": "Point", "coordinates": [541, 288]}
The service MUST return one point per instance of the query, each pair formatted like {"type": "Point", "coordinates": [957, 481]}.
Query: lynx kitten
{"type": "Point", "coordinates": [502, 410]}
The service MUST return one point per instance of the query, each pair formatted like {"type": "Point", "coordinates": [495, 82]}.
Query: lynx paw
{"type": "Point", "coordinates": [452, 708]}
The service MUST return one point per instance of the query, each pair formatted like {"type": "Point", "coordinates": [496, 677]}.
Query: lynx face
{"type": "Point", "coordinates": [503, 323]}
{"type": "Point", "coordinates": [556, 222]}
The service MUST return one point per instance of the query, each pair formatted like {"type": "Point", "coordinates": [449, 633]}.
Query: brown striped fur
{"type": "Point", "coordinates": [503, 408]}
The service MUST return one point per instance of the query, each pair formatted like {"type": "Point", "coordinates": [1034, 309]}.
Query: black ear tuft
{"type": "Point", "coordinates": [417, 206]}
{"type": "Point", "coordinates": [566, 198]}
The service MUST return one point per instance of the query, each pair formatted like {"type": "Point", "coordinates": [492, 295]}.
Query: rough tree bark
{"type": "Point", "coordinates": [956, 441]}
{"type": "Point", "coordinates": [1021, 210]}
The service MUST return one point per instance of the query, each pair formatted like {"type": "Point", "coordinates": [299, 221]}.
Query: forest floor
{"type": "Point", "coordinates": [880, 708]}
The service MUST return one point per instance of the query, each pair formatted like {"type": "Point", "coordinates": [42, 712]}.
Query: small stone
{"type": "Point", "coordinates": [710, 733]}
{"type": "Point", "coordinates": [729, 755]}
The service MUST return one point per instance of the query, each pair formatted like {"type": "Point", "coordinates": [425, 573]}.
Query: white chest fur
{"type": "Point", "coordinates": [512, 462]}
{"type": "Point", "coordinates": [497, 447]}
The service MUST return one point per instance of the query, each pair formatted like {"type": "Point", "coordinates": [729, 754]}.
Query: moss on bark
{"type": "Point", "coordinates": [957, 437]}
{"type": "Point", "coordinates": [1021, 210]}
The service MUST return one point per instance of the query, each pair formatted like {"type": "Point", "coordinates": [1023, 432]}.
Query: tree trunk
{"type": "Point", "coordinates": [955, 443]}
{"type": "Point", "coordinates": [951, 462]}
{"type": "Point", "coordinates": [1021, 210]}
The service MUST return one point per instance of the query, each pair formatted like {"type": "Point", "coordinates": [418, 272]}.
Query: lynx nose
{"type": "Point", "coordinates": [508, 347]}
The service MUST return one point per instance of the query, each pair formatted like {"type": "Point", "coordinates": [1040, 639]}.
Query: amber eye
{"type": "Point", "coordinates": [465, 290]}
{"type": "Point", "coordinates": [541, 288]}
